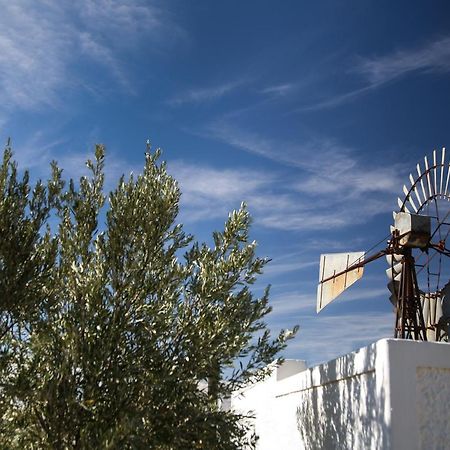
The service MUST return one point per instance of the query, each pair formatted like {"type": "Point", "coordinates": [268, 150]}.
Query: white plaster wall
{"type": "Point", "coordinates": [275, 429]}
{"type": "Point", "coordinates": [420, 379]}
{"type": "Point", "coordinates": [393, 394]}
{"type": "Point", "coordinates": [433, 407]}
{"type": "Point", "coordinates": [344, 404]}
{"type": "Point", "coordinates": [340, 415]}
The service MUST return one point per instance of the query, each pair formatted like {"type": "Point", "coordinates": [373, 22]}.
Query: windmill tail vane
{"type": "Point", "coordinates": [418, 276]}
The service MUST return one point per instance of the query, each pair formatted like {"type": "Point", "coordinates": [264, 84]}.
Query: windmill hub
{"type": "Point", "coordinates": [413, 230]}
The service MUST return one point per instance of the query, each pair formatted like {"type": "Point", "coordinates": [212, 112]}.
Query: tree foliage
{"type": "Point", "coordinates": [107, 331]}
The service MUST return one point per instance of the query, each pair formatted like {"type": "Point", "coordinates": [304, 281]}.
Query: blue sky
{"type": "Point", "coordinates": [314, 113]}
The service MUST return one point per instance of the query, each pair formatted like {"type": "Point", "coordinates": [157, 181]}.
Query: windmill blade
{"type": "Point", "coordinates": [442, 171]}
{"type": "Point", "coordinates": [402, 205]}
{"type": "Point", "coordinates": [394, 274]}
{"type": "Point", "coordinates": [425, 196]}
{"type": "Point", "coordinates": [336, 275]}
{"type": "Point", "coordinates": [448, 178]}
{"type": "Point", "coordinates": [438, 310]}
{"type": "Point", "coordinates": [409, 198]}
{"type": "Point", "coordinates": [446, 300]}
{"type": "Point", "coordinates": [416, 192]}
{"type": "Point", "coordinates": [425, 303]}
{"type": "Point", "coordinates": [427, 173]}
{"type": "Point", "coordinates": [435, 172]}
{"type": "Point", "coordinates": [394, 258]}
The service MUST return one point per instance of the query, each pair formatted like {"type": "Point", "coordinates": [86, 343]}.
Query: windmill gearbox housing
{"type": "Point", "coordinates": [414, 229]}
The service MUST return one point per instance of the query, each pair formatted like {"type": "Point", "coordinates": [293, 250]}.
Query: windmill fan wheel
{"type": "Point", "coordinates": [428, 195]}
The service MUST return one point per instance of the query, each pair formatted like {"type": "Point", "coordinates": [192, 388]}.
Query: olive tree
{"type": "Point", "coordinates": [117, 330]}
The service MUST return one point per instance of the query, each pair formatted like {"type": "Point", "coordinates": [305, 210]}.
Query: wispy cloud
{"type": "Point", "coordinates": [319, 218]}
{"type": "Point", "coordinates": [433, 57]}
{"type": "Point", "coordinates": [42, 45]}
{"type": "Point", "coordinates": [204, 94]}
{"type": "Point", "coordinates": [288, 263]}
{"type": "Point", "coordinates": [35, 153]}
{"type": "Point", "coordinates": [332, 101]}
{"type": "Point", "coordinates": [338, 187]}
{"type": "Point", "coordinates": [210, 192]}
{"type": "Point", "coordinates": [361, 181]}
{"type": "Point", "coordinates": [39, 150]}
{"type": "Point", "coordinates": [254, 143]}
{"type": "Point", "coordinates": [32, 65]}
{"type": "Point", "coordinates": [316, 155]}
{"type": "Point", "coordinates": [103, 55]}
{"type": "Point", "coordinates": [123, 17]}
{"type": "Point", "coordinates": [292, 303]}
{"type": "Point", "coordinates": [273, 199]}
{"type": "Point", "coordinates": [328, 337]}
{"type": "Point", "coordinates": [280, 89]}
{"type": "Point", "coordinates": [333, 245]}
{"type": "Point", "coordinates": [325, 336]}
{"type": "Point", "coordinates": [301, 303]}
{"type": "Point", "coordinates": [375, 72]}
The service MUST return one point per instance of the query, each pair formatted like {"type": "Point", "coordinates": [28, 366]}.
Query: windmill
{"type": "Point", "coordinates": [416, 252]}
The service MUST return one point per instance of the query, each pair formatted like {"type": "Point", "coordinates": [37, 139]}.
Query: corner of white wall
{"type": "Point", "coordinates": [393, 394]}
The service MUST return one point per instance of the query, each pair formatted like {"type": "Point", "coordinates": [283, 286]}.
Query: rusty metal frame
{"type": "Point", "coordinates": [409, 321]}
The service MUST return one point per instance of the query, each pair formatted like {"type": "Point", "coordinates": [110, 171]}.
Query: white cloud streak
{"type": "Point", "coordinates": [328, 337]}
{"type": "Point", "coordinates": [325, 336]}
{"type": "Point", "coordinates": [283, 265]}
{"type": "Point", "coordinates": [280, 89]}
{"type": "Point", "coordinates": [336, 188]}
{"type": "Point", "coordinates": [36, 153]}
{"type": "Point", "coordinates": [43, 45]}
{"type": "Point", "coordinates": [252, 143]}
{"type": "Point", "coordinates": [433, 57]}
{"type": "Point", "coordinates": [336, 100]}
{"type": "Point", "coordinates": [430, 58]}
{"type": "Point", "coordinates": [204, 94]}
{"type": "Point", "coordinates": [210, 193]}
{"type": "Point", "coordinates": [298, 303]}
